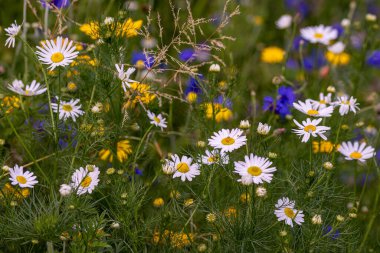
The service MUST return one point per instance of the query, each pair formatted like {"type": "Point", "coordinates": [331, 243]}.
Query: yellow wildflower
{"type": "Point", "coordinates": [272, 55]}
{"type": "Point", "coordinates": [158, 202]}
{"type": "Point", "coordinates": [9, 103]}
{"type": "Point", "coordinates": [139, 92]}
{"type": "Point", "coordinates": [123, 150]}
{"type": "Point", "coordinates": [221, 113]}
{"type": "Point", "coordinates": [338, 59]}
{"type": "Point", "coordinates": [126, 29]}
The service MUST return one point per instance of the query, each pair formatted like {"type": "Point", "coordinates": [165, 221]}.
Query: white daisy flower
{"type": "Point", "coordinates": [228, 140]}
{"type": "Point", "coordinates": [319, 34]}
{"type": "Point", "coordinates": [285, 211]}
{"type": "Point", "coordinates": [263, 129]}
{"type": "Point", "coordinates": [184, 168]}
{"type": "Point", "coordinates": [65, 190]}
{"type": "Point", "coordinates": [214, 157]}
{"type": "Point", "coordinates": [310, 128]}
{"type": "Point", "coordinates": [23, 179]}
{"type": "Point", "coordinates": [68, 109]}
{"type": "Point", "coordinates": [346, 105]}
{"type": "Point", "coordinates": [12, 32]}
{"type": "Point", "coordinates": [258, 168]}
{"type": "Point", "coordinates": [124, 76]}
{"type": "Point", "coordinates": [32, 89]}
{"type": "Point", "coordinates": [284, 21]}
{"type": "Point", "coordinates": [168, 167]}
{"type": "Point", "coordinates": [84, 180]}
{"type": "Point", "coordinates": [55, 54]}
{"type": "Point", "coordinates": [158, 120]}
{"type": "Point", "coordinates": [337, 47]}
{"type": "Point", "coordinates": [244, 124]}
{"type": "Point", "coordinates": [322, 102]}
{"type": "Point", "coordinates": [354, 151]}
{"type": "Point", "coordinates": [312, 110]}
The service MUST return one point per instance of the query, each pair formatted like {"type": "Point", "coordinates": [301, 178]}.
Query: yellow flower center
{"type": "Point", "coordinates": [21, 179]}
{"type": "Point", "coordinates": [312, 112]}
{"type": "Point", "coordinates": [310, 128]}
{"type": "Point", "coordinates": [67, 108]}
{"type": "Point", "coordinates": [322, 101]}
{"type": "Point", "coordinates": [289, 212]}
{"type": "Point", "coordinates": [254, 171]}
{"type": "Point", "coordinates": [57, 57]}
{"type": "Point", "coordinates": [86, 182]}
{"type": "Point", "coordinates": [318, 35]}
{"type": "Point", "coordinates": [356, 155]}
{"type": "Point", "coordinates": [346, 102]}
{"type": "Point", "coordinates": [157, 120]}
{"type": "Point", "coordinates": [212, 159]}
{"type": "Point", "coordinates": [183, 167]}
{"type": "Point", "coordinates": [28, 92]}
{"type": "Point", "coordinates": [228, 141]}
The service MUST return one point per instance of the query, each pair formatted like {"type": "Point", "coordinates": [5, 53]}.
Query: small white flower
{"type": "Point", "coordinates": [214, 68]}
{"type": "Point", "coordinates": [319, 34]}
{"type": "Point", "coordinates": [168, 167]}
{"type": "Point", "coordinates": [148, 43]}
{"type": "Point", "coordinates": [109, 20]}
{"type": "Point", "coordinates": [214, 157]}
{"type": "Point", "coordinates": [312, 110]}
{"type": "Point", "coordinates": [261, 191]}
{"type": "Point", "coordinates": [97, 108]}
{"type": "Point", "coordinates": [322, 103]}
{"type": "Point", "coordinates": [345, 22]}
{"type": "Point", "coordinates": [32, 89]}
{"type": "Point", "coordinates": [55, 54]}
{"type": "Point", "coordinates": [68, 109]}
{"type": "Point", "coordinates": [184, 168]}
{"type": "Point", "coordinates": [284, 21]}
{"type": "Point", "coordinates": [346, 105]}
{"type": "Point", "coordinates": [263, 129]}
{"type": "Point", "coordinates": [246, 180]}
{"type": "Point", "coordinates": [65, 190]}
{"type": "Point", "coordinates": [337, 47]}
{"type": "Point", "coordinates": [83, 181]}
{"type": "Point", "coordinates": [285, 211]}
{"type": "Point", "coordinates": [23, 179]}
{"type": "Point", "coordinates": [228, 140]}
{"type": "Point", "coordinates": [354, 151]}
{"type": "Point", "coordinates": [256, 167]}
{"type": "Point", "coordinates": [317, 219]}
{"type": "Point", "coordinates": [124, 76]}
{"type": "Point", "coordinates": [370, 17]}
{"type": "Point", "coordinates": [12, 32]}
{"type": "Point", "coordinates": [244, 124]}
{"type": "Point", "coordinates": [310, 128]}
{"type": "Point", "coordinates": [158, 120]}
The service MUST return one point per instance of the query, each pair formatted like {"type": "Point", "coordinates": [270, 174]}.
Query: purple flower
{"type": "Point", "coordinates": [333, 234]}
{"type": "Point", "coordinates": [299, 6]}
{"type": "Point", "coordinates": [56, 3]}
{"type": "Point", "coordinates": [141, 56]}
{"type": "Point", "coordinates": [374, 59]}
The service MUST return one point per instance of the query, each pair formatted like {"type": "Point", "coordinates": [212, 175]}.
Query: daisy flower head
{"type": "Point", "coordinates": [258, 168]}
{"type": "Point", "coordinates": [228, 140]}
{"type": "Point", "coordinates": [346, 105]}
{"type": "Point", "coordinates": [214, 157]}
{"type": "Point", "coordinates": [84, 180]}
{"type": "Point", "coordinates": [319, 34]}
{"type": "Point", "coordinates": [168, 167]}
{"type": "Point", "coordinates": [184, 168]}
{"type": "Point", "coordinates": [157, 120]}
{"type": "Point", "coordinates": [285, 211]}
{"type": "Point", "coordinates": [24, 179]}
{"type": "Point", "coordinates": [12, 32]}
{"type": "Point", "coordinates": [312, 110]}
{"type": "Point", "coordinates": [68, 109]}
{"type": "Point", "coordinates": [124, 76]}
{"type": "Point", "coordinates": [32, 89]}
{"type": "Point", "coordinates": [310, 128]}
{"type": "Point", "coordinates": [356, 151]}
{"type": "Point", "coordinates": [323, 101]}
{"type": "Point", "coordinates": [337, 47]}
{"type": "Point", "coordinates": [57, 53]}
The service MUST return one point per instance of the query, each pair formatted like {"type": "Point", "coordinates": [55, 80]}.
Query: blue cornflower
{"type": "Point", "coordinates": [141, 59]}
{"type": "Point", "coordinates": [187, 55]}
{"type": "Point", "coordinates": [226, 102]}
{"type": "Point", "coordinates": [299, 6]}
{"type": "Point", "coordinates": [374, 59]}
{"type": "Point", "coordinates": [329, 230]}
{"type": "Point", "coordinates": [282, 104]}
{"type": "Point", "coordinates": [57, 3]}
